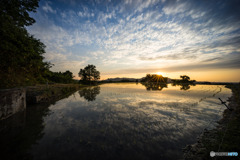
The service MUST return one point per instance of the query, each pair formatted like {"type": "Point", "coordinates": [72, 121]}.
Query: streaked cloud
{"type": "Point", "coordinates": [48, 8]}
{"type": "Point", "coordinates": [131, 34]}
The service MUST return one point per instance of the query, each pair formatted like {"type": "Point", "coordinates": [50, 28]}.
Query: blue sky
{"type": "Point", "coordinates": [129, 38]}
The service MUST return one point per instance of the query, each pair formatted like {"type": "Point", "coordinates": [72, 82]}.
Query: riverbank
{"type": "Point", "coordinates": [18, 99]}
{"type": "Point", "coordinates": [224, 138]}
{"type": "Point", "coordinates": [43, 93]}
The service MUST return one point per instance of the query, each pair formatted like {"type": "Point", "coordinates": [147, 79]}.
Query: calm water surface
{"type": "Point", "coordinates": [114, 121]}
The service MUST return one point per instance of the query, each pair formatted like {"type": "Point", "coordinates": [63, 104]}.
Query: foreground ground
{"type": "Point", "coordinates": [225, 138]}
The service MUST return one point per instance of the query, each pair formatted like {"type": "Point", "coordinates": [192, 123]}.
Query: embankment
{"type": "Point", "coordinates": [17, 99]}
{"type": "Point", "coordinates": [224, 138]}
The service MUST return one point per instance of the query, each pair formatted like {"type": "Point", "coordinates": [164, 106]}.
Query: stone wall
{"type": "Point", "coordinates": [11, 102]}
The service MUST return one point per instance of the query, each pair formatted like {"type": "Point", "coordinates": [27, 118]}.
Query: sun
{"type": "Point", "coordinates": [159, 73]}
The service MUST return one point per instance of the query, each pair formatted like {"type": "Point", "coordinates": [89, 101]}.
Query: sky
{"type": "Point", "coordinates": [130, 38]}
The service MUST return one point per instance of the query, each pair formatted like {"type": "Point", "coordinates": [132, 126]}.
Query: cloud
{"type": "Point", "coordinates": [229, 62]}
{"type": "Point", "coordinates": [211, 59]}
{"type": "Point", "coordinates": [63, 14]}
{"type": "Point", "coordinates": [169, 57]}
{"type": "Point", "coordinates": [136, 5]}
{"type": "Point", "coordinates": [214, 17]}
{"type": "Point", "coordinates": [135, 33]}
{"type": "Point", "coordinates": [85, 12]}
{"type": "Point", "coordinates": [48, 8]}
{"type": "Point", "coordinates": [97, 53]}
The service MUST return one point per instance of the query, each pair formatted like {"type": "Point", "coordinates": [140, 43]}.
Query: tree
{"type": "Point", "coordinates": [88, 74]}
{"type": "Point", "coordinates": [82, 74]}
{"type": "Point", "coordinates": [68, 74]}
{"type": "Point", "coordinates": [17, 11]}
{"type": "Point", "coordinates": [185, 78]}
{"type": "Point", "coordinates": [154, 78]}
{"type": "Point", "coordinates": [20, 52]}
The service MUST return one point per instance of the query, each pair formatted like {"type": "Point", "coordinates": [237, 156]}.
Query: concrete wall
{"type": "Point", "coordinates": [11, 102]}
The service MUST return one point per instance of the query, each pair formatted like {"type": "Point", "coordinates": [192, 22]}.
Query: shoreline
{"type": "Point", "coordinates": [14, 100]}
{"type": "Point", "coordinates": [210, 140]}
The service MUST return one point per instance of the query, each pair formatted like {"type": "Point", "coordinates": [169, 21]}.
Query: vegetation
{"type": "Point", "coordinates": [229, 139]}
{"type": "Point", "coordinates": [125, 80]}
{"type": "Point", "coordinates": [89, 93]}
{"type": "Point", "coordinates": [60, 77]}
{"type": "Point", "coordinates": [21, 55]}
{"type": "Point", "coordinates": [154, 78]}
{"type": "Point", "coordinates": [185, 79]}
{"type": "Point", "coordinates": [154, 86]}
{"type": "Point", "coordinates": [184, 86]}
{"type": "Point", "coordinates": [89, 74]}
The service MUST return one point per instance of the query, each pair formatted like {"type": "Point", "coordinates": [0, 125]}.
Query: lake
{"type": "Point", "coordinates": [114, 121]}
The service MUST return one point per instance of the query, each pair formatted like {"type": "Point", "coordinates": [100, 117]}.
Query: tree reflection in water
{"type": "Point", "coordinates": [89, 93]}
{"type": "Point", "coordinates": [155, 86]}
{"type": "Point", "coordinates": [184, 86]}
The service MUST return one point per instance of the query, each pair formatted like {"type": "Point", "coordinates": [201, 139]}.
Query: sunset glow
{"type": "Point", "coordinates": [159, 73]}
{"type": "Point", "coordinates": [134, 38]}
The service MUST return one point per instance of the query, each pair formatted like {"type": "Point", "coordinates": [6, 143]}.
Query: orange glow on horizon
{"type": "Point", "coordinates": [223, 75]}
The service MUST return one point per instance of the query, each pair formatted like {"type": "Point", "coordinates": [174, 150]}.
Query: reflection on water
{"type": "Point", "coordinates": [114, 121]}
{"type": "Point", "coordinates": [89, 93]}
{"type": "Point", "coordinates": [184, 86]}
{"type": "Point", "coordinates": [155, 86]}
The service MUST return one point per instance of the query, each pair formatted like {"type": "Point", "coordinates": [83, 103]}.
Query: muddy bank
{"type": "Point", "coordinates": [224, 138]}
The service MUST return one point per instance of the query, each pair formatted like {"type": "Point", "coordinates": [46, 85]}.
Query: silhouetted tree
{"type": "Point", "coordinates": [185, 78]}
{"type": "Point", "coordinates": [89, 74]}
{"type": "Point", "coordinates": [68, 74]}
{"type": "Point", "coordinates": [154, 78]}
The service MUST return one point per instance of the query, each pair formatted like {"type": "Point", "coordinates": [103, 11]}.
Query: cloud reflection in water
{"type": "Point", "coordinates": [125, 120]}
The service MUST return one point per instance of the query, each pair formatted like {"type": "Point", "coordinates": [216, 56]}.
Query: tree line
{"type": "Point", "coordinates": [21, 55]}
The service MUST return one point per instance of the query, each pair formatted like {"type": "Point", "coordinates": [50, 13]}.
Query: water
{"type": "Point", "coordinates": [114, 121]}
